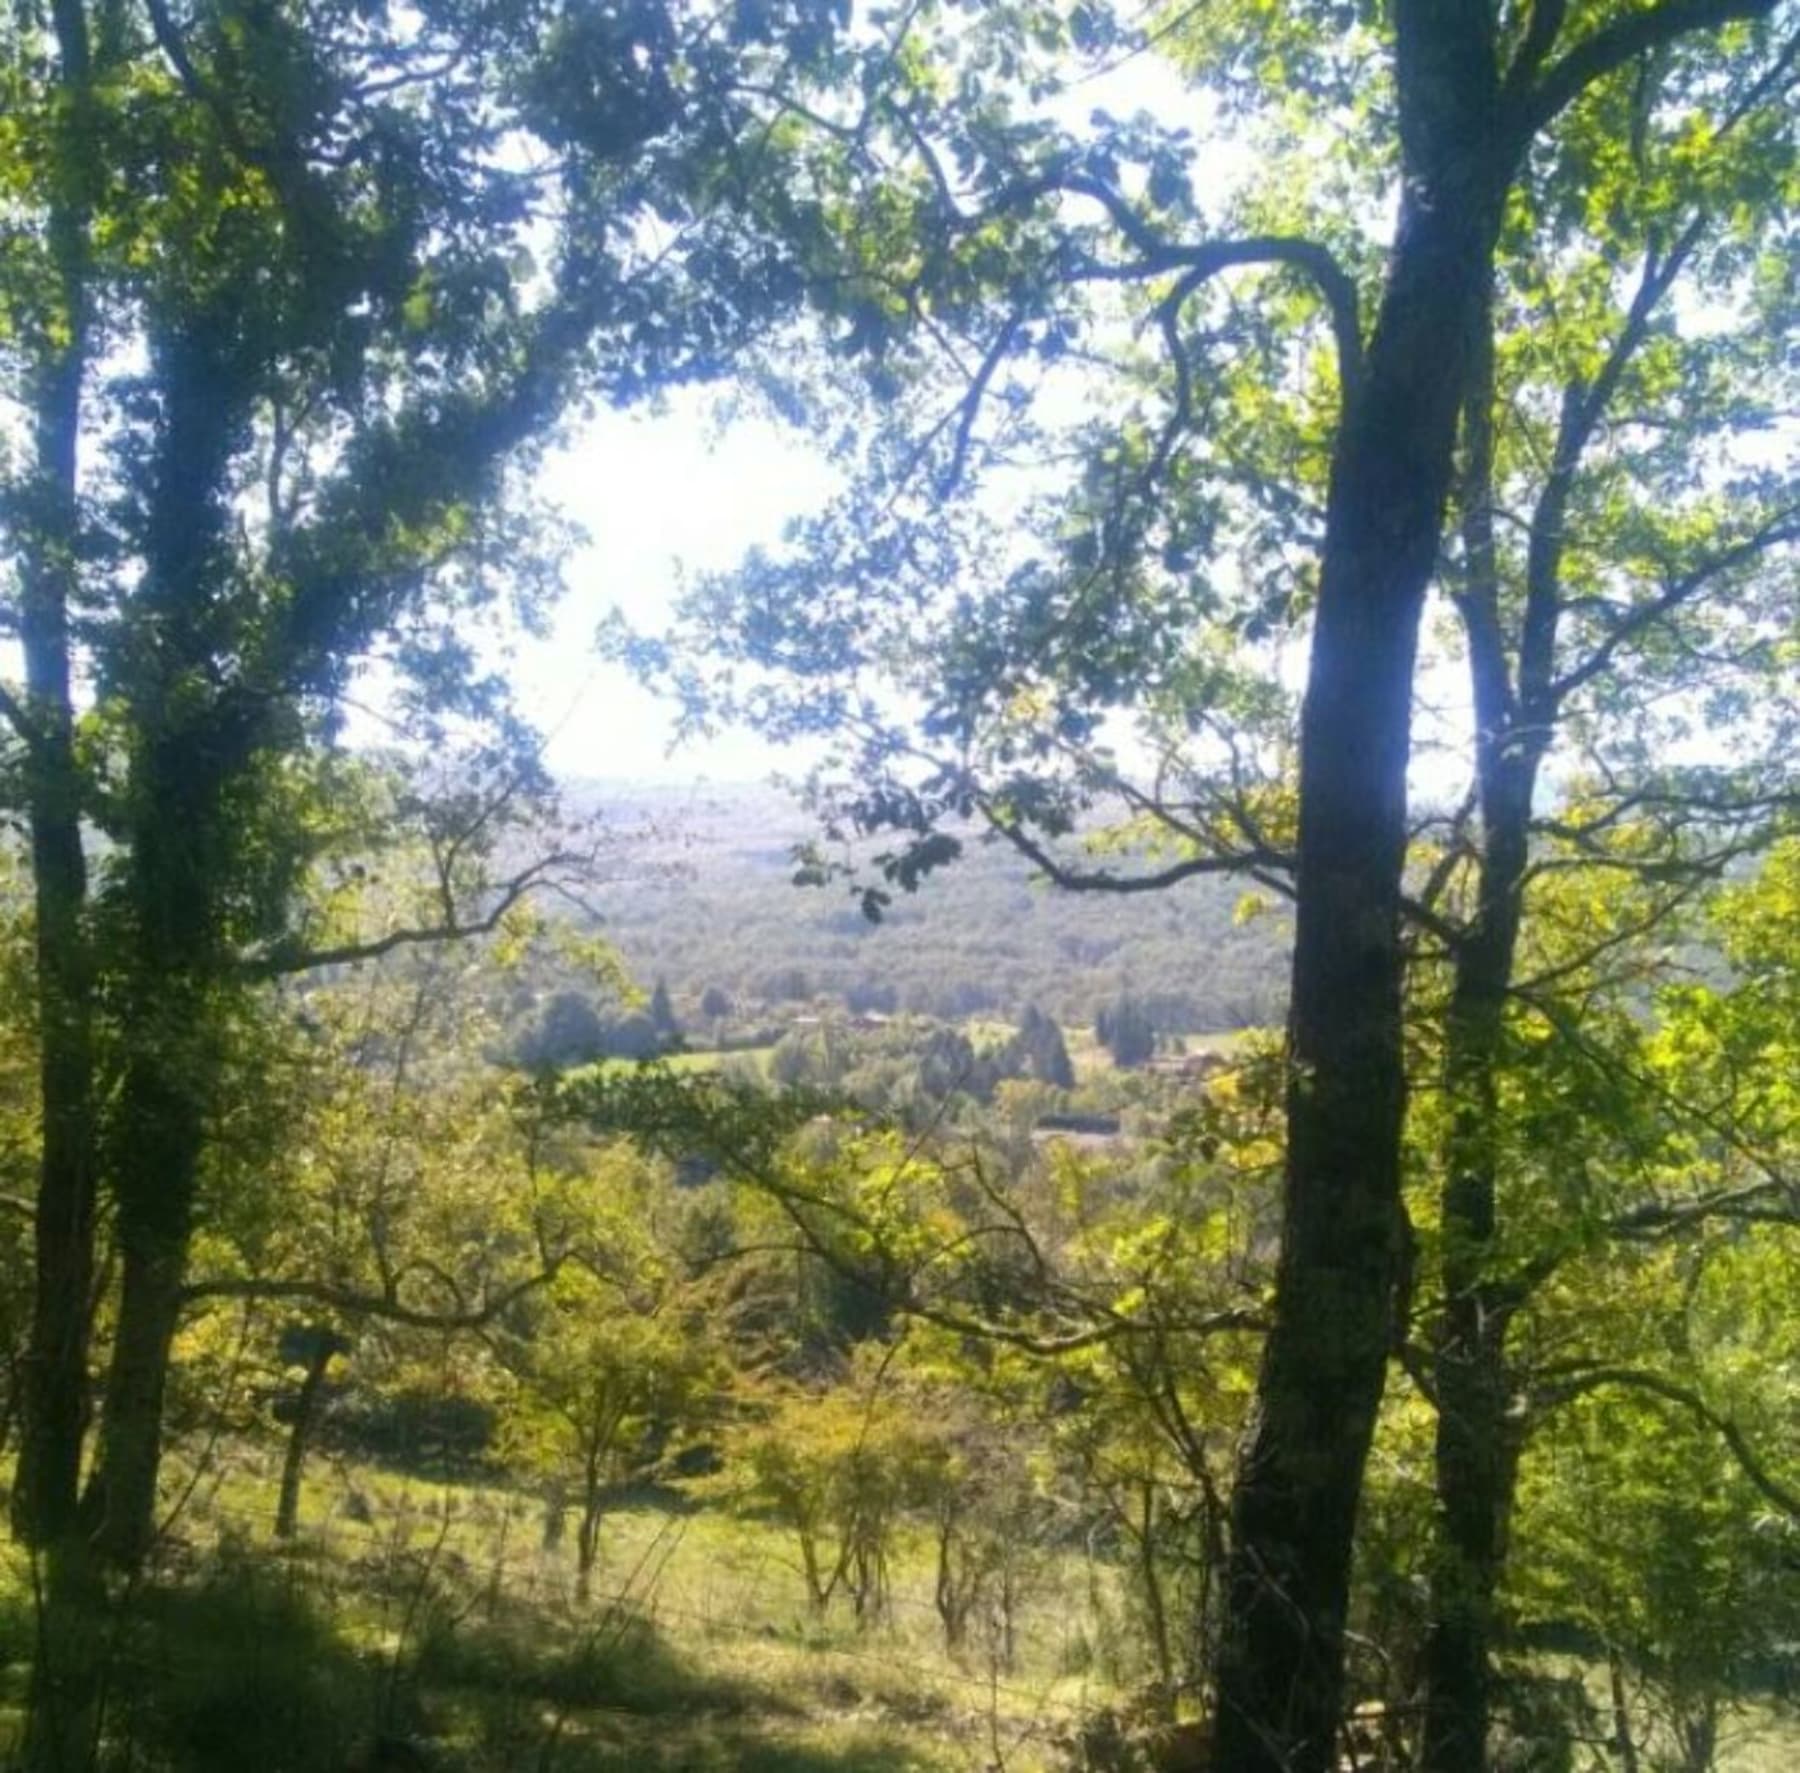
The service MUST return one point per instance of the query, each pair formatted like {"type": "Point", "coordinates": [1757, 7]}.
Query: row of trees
{"type": "Point", "coordinates": [715, 907]}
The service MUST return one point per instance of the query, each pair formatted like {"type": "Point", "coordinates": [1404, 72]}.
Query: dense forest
{"type": "Point", "coordinates": [1214, 1187]}
{"type": "Point", "coordinates": [701, 894]}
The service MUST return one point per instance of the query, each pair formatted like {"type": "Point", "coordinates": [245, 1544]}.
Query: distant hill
{"type": "Point", "coordinates": [703, 895]}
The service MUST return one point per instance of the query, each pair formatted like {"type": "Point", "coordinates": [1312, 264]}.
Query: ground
{"type": "Point", "coordinates": [432, 1613]}
{"type": "Point", "coordinates": [424, 1619]}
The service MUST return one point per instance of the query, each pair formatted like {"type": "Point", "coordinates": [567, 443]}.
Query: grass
{"type": "Point", "coordinates": [410, 1612]}
{"type": "Point", "coordinates": [433, 1612]}
{"type": "Point", "coordinates": [700, 1061]}
{"type": "Point", "coordinates": [1091, 1059]}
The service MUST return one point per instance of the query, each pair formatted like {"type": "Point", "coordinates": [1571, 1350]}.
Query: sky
{"type": "Point", "coordinates": [664, 492]}
{"type": "Point", "coordinates": [659, 493]}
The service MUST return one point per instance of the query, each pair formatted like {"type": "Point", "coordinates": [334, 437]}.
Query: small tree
{"type": "Point", "coordinates": [311, 1348]}
{"type": "Point", "coordinates": [603, 1389]}
{"type": "Point", "coordinates": [839, 1470]}
{"type": "Point", "coordinates": [569, 1032]}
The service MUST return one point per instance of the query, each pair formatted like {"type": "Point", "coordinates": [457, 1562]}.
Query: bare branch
{"type": "Point", "coordinates": [970, 405]}
{"type": "Point", "coordinates": [1770, 1201]}
{"type": "Point", "coordinates": [286, 959]}
{"type": "Point", "coordinates": [1159, 256]}
{"type": "Point", "coordinates": [386, 1306]}
{"type": "Point", "coordinates": [1104, 880]}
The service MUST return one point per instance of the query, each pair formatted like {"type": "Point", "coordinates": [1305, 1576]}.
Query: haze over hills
{"type": "Point", "coordinates": [703, 894]}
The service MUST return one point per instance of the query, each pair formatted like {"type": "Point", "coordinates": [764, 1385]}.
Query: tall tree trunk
{"type": "Point", "coordinates": [55, 1389]}
{"type": "Point", "coordinates": [62, 1705]}
{"type": "Point", "coordinates": [1477, 1443]}
{"type": "Point", "coordinates": [1478, 1446]}
{"type": "Point", "coordinates": [159, 1131]}
{"type": "Point", "coordinates": [1479, 1434]}
{"type": "Point", "coordinates": [177, 969]}
{"type": "Point", "coordinates": [1280, 1672]}
{"type": "Point", "coordinates": [119, 1503]}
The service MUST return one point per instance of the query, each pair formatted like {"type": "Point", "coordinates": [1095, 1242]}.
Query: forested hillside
{"type": "Point", "coordinates": [700, 892]}
{"type": "Point", "coordinates": [1220, 1193]}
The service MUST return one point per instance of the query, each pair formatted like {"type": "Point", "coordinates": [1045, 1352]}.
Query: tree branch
{"type": "Point", "coordinates": [1634, 1378]}
{"type": "Point", "coordinates": [1159, 256]}
{"type": "Point", "coordinates": [284, 960]}
{"type": "Point", "coordinates": [1777, 532]}
{"type": "Point", "coordinates": [1103, 880]}
{"type": "Point", "coordinates": [1584, 405]}
{"type": "Point", "coordinates": [1610, 48]}
{"type": "Point", "coordinates": [382, 1305]}
{"type": "Point", "coordinates": [1547, 20]}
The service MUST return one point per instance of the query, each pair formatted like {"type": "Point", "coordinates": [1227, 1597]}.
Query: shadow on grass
{"type": "Point", "coordinates": [621, 1699]}
{"type": "Point", "coordinates": [736, 1751]}
{"type": "Point", "coordinates": [250, 1668]}
{"type": "Point", "coordinates": [237, 1671]}
{"type": "Point", "coordinates": [618, 1666]}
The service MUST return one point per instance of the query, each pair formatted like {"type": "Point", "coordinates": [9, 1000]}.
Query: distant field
{"type": "Point", "coordinates": [699, 1061]}
{"type": "Point", "coordinates": [1090, 1058]}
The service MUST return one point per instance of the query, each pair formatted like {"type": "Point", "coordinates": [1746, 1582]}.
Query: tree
{"type": "Point", "coordinates": [1684, 561]}
{"type": "Point", "coordinates": [1039, 1051]}
{"type": "Point", "coordinates": [606, 1379]}
{"type": "Point", "coordinates": [1127, 1033]}
{"type": "Point", "coordinates": [311, 1348]}
{"type": "Point", "coordinates": [840, 1469]}
{"type": "Point", "coordinates": [1336, 502]}
{"type": "Point", "coordinates": [306, 343]}
{"type": "Point", "coordinates": [55, 336]}
{"type": "Point", "coordinates": [569, 1032]}
{"type": "Point", "coordinates": [378, 1175]}
{"type": "Point", "coordinates": [662, 1016]}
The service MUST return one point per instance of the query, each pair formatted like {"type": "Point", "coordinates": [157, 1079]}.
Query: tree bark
{"type": "Point", "coordinates": [1280, 1670]}
{"type": "Point", "coordinates": [1624, 1742]}
{"type": "Point", "coordinates": [1479, 1433]}
{"type": "Point", "coordinates": [55, 1388]}
{"type": "Point", "coordinates": [1477, 1442]}
{"type": "Point", "coordinates": [119, 1504]}
{"type": "Point", "coordinates": [587, 1533]}
{"type": "Point", "coordinates": [176, 967]}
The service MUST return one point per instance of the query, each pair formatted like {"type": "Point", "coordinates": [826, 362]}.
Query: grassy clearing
{"type": "Point", "coordinates": [434, 1612]}
{"type": "Point", "coordinates": [1091, 1059]}
{"type": "Point", "coordinates": [707, 1060]}
{"type": "Point", "coordinates": [432, 1618]}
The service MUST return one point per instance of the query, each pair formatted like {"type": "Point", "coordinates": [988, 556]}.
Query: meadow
{"type": "Point", "coordinates": [411, 1623]}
